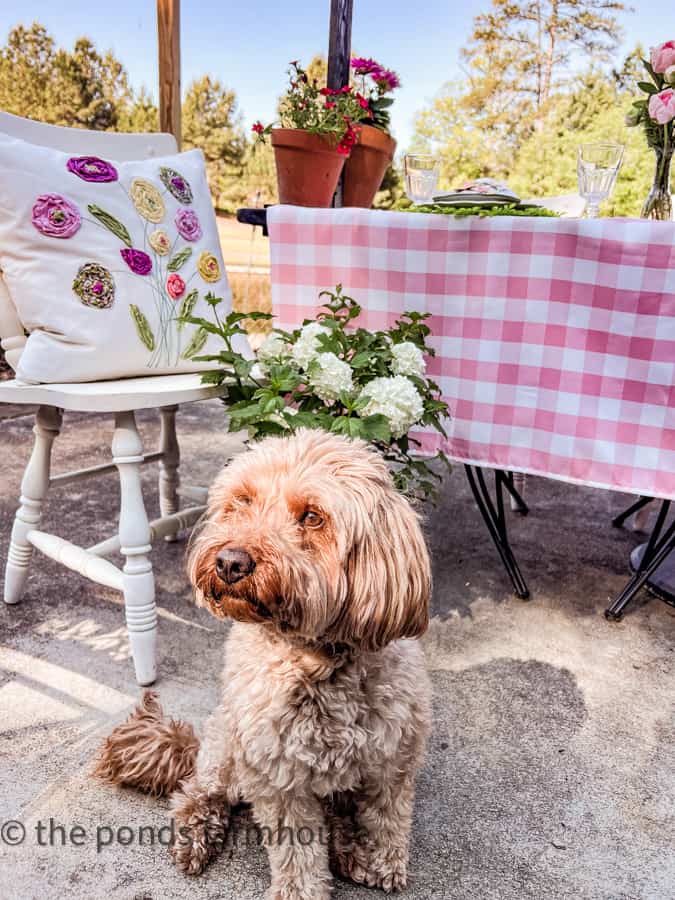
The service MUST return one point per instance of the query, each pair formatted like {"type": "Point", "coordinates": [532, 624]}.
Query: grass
{"type": "Point", "coordinates": [246, 254]}
{"type": "Point", "coordinates": [242, 245]}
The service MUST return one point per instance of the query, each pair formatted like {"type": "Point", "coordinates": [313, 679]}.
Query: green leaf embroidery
{"type": "Point", "coordinates": [187, 307]}
{"type": "Point", "coordinates": [177, 261]}
{"type": "Point", "coordinates": [196, 344]}
{"type": "Point", "coordinates": [111, 223]}
{"type": "Point", "coordinates": [142, 327]}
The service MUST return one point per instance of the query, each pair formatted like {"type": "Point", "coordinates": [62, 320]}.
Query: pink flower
{"type": "Point", "coordinates": [175, 286]}
{"type": "Point", "coordinates": [56, 216]}
{"type": "Point", "coordinates": [188, 225]}
{"type": "Point", "coordinates": [663, 56]}
{"type": "Point", "coordinates": [662, 106]}
{"type": "Point", "coordinates": [386, 79]}
{"type": "Point", "coordinates": [363, 66]}
{"type": "Point", "coordinates": [138, 261]}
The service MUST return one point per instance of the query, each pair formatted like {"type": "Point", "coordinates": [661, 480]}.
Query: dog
{"type": "Point", "coordinates": [325, 708]}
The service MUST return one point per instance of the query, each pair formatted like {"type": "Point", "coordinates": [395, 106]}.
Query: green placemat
{"type": "Point", "coordinates": [511, 209]}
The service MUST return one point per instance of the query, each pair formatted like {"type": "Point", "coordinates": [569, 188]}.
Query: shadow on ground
{"type": "Point", "coordinates": [549, 771]}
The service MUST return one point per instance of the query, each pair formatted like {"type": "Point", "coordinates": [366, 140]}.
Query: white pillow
{"type": "Point", "coordinates": [101, 257]}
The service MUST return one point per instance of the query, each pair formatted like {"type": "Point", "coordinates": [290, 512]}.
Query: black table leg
{"type": "Point", "coordinates": [493, 514]}
{"type": "Point", "coordinates": [647, 559]}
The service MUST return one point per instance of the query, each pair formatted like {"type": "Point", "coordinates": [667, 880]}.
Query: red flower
{"type": "Point", "coordinates": [363, 103]}
{"type": "Point", "coordinates": [258, 127]}
{"type": "Point", "coordinates": [330, 104]}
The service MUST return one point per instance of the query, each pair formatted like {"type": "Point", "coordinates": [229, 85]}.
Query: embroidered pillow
{"type": "Point", "coordinates": [101, 258]}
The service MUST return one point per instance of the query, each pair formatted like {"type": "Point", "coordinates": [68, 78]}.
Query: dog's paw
{"type": "Point", "coordinates": [377, 869]}
{"type": "Point", "coordinates": [201, 824]}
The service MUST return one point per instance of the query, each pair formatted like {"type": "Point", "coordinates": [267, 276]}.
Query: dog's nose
{"type": "Point", "coordinates": [233, 565]}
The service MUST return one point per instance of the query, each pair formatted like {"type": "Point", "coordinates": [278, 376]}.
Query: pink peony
{"type": "Point", "coordinates": [663, 56]}
{"type": "Point", "coordinates": [188, 225]}
{"type": "Point", "coordinates": [175, 286]}
{"type": "Point", "coordinates": [56, 216]}
{"type": "Point", "coordinates": [662, 106]}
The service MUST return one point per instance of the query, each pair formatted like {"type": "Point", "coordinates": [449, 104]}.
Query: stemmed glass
{"type": "Point", "coordinates": [597, 168]}
{"type": "Point", "coordinates": [421, 178]}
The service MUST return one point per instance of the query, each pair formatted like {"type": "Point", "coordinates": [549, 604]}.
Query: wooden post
{"type": "Point", "coordinates": [168, 39]}
{"type": "Point", "coordinates": [339, 53]}
{"type": "Point", "coordinates": [340, 42]}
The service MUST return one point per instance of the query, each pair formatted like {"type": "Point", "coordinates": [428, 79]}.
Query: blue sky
{"type": "Point", "coordinates": [248, 44]}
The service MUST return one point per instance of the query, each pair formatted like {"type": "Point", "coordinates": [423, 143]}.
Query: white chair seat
{"type": "Point", "coordinates": [124, 394]}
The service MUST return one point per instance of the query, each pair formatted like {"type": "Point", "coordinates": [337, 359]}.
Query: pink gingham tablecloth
{"type": "Point", "coordinates": [554, 338]}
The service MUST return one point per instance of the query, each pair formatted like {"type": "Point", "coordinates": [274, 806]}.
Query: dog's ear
{"type": "Point", "coordinates": [389, 577]}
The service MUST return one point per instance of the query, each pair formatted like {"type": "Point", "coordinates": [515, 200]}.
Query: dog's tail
{"type": "Point", "coordinates": [148, 751]}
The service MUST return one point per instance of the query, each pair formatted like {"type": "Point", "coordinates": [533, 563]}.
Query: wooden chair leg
{"type": "Point", "coordinates": [134, 532]}
{"type": "Point", "coordinates": [34, 488]}
{"type": "Point", "coordinates": [168, 465]}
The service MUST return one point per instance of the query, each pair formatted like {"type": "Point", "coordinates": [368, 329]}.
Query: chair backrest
{"type": "Point", "coordinates": [121, 147]}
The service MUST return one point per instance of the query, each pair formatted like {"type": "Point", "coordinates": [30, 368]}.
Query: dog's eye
{"type": "Point", "coordinates": [311, 519]}
{"type": "Point", "coordinates": [243, 499]}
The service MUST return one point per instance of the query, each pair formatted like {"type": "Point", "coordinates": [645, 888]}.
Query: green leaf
{"type": "Point", "coordinates": [376, 428]}
{"type": "Point", "coordinates": [178, 261]}
{"type": "Point", "coordinates": [196, 344]}
{"type": "Point", "coordinates": [187, 307]}
{"type": "Point", "coordinates": [111, 223]}
{"type": "Point", "coordinates": [360, 359]}
{"type": "Point", "coordinates": [647, 87]}
{"type": "Point", "coordinates": [143, 329]}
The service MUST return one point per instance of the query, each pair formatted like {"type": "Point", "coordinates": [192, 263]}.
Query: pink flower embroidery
{"type": "Point", "coordinates": [663, 56]}
{"type": "Point", "coordinates": [175, 286]}
{"type": "Point", "coordinates": [138, 261]}
{"type": "Point", "coordinates": [55, 216]}
{"type": "Point", "coordinates": [92, 168]}
{"type": "Point", "coordinates": [188, 225]}
{"type": "Point", "coordinates": [662, 106]}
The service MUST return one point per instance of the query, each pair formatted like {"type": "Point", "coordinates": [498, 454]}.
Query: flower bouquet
{"type": "Point", "coordinates": [655, 114]}
{"type": "Point", "coordinates": [317, 132]}
{"type": "Point", "coordinates": [375, 147]}
{"type": "Point", "coordinates": [334, 375]}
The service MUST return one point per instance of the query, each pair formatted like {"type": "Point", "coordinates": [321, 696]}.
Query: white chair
{"type": "Point", "coordinates": [121, 398]}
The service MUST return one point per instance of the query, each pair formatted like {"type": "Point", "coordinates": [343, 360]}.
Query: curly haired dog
{"type": "Point", "coordinates": [325, 709]}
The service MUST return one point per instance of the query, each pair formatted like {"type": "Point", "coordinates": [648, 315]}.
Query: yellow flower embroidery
{"type": "Point", "coordinates": [147, 200]}
{"type": "Point", "coordinates": [160, 242]}
{"type": "Point", "coordinates": [208, 267]}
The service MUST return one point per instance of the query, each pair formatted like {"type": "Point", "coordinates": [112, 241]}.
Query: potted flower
{"type": "Point", "coordinates": [316, 132]}
{"type": "Point", "coordinates": [375, 147]}
{"type": "Point", "coordinates": [656, 114]}
{"type": "Point", "coordinates": [333, 374]}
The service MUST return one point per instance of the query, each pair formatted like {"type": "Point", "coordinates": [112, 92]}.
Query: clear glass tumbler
{"type": "Point", "coordinates": [597, 168]}
{"type": "Point", "coordinates": [421, 178]}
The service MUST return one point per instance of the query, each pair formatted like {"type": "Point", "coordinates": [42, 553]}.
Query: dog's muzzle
{"type": "Point", "coordinates": [232, 565]}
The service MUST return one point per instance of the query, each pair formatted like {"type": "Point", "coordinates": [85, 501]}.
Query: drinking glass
{"type": "Point", "coordinates": [421, 178]}
{"type": "Point", "coordinates": [597, 168]}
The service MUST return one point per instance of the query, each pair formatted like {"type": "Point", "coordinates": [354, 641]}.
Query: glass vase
{"type": "Point", "coordinates": [659, 203]}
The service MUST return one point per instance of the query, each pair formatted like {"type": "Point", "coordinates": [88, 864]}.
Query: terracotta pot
{"type": "Point", "coordinates": [365, 168]}
{"type": "Point", "coordinates": [308, 167]}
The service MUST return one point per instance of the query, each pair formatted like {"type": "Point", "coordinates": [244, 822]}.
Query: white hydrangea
{"type": "Point", "coordinates": [397, 398]}
{"type": "Point", "coordinates": [306, 348]}
{"type": "Point", "coordinates": [274, 348]}
{"type": "Point", "coordinates": [408, 359]}
{"type": "Point", "coordinates": [329, 377]}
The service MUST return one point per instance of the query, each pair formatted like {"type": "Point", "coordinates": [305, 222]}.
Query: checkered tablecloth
{"type": "Point", "coordinates": [555, 338]}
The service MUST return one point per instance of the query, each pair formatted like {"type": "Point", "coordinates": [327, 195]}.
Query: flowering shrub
{"type": "Point", "coordinates": [308, 107]}
{"type": "Point", "coordinates": [657, 111]}
{"type": "Point", "coordinates": [375, 83]}
{"type": "Point", "coordinates": [334, 375]}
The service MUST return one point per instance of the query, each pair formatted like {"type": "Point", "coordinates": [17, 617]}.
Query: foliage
{"type": "Point", "coordinates": [520, 52]}
{"type": "Point", "coordinates": [509, 209]}
{"type": "Point", "coordinates": [80, 88]}
{"type": "Point", "coordinates": [325, 374]}
{"type": "Point", "coordinates": [212, 122]}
